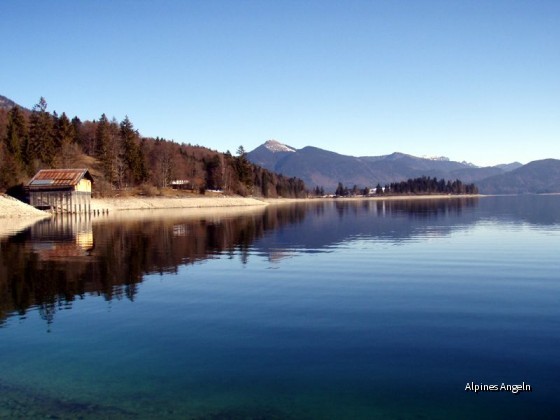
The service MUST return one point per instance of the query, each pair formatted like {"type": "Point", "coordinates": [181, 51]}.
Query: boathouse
{"type": "Point", "coordinates": [61, 190]}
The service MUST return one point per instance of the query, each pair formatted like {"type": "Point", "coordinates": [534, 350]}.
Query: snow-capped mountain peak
{"type": "Point", "coordinates": [438, 158]}
{"type": "Point", "coordinates": [275, 146]}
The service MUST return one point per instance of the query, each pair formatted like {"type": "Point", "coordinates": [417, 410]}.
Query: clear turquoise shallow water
{"type": "Point", "coordinates": [336, 310]}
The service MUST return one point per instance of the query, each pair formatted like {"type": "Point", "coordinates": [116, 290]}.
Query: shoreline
{"type": "Point", "coordinates": [114, 204]}
{"type": "Point", "coordinates": [11, 208]}
{"type": "Point", "coordinates": [155, 203]}
{"type": "Point", "coordinates": [373, 198]}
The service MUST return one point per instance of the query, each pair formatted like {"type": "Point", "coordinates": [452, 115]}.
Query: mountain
{"type": "Point", "coordinates": [509, 166]}
{"type": "Point", "coordinates": [325, 168]}
{"type": "Point", "coordinates": [269, 153]}
{"type": "Point", "coordinates": [7, 104]}
{"type": "Point", "coordinates": [539, 176]}
{"type": "Point", "coordinates": [318, 167]}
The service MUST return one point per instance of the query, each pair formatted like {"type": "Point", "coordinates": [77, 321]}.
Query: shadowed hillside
{"type": "Point", "coordinates": [540, 176]}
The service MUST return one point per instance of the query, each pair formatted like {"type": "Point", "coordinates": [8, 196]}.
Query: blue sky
{"type": "Point", "coordinates": [471, 80]}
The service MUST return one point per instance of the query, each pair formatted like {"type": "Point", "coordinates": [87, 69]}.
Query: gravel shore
{"type": "Point", "coordinates": [13, 208]}
{"type": "Point", "coordinates": [145, 203]}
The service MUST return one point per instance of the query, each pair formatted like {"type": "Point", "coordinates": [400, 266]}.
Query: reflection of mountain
{"type": "Point", "coordinates": [55, 261]}
{"type": "Point", "coordinates": [334, 222]}
{"type": "Point", "coordinates": [537, 210]}
{"type": "Point", "coordinates": [329, 223]}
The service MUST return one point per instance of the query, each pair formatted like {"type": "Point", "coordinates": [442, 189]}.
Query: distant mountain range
{"type": "Point", "coordinates": [539, 176]}
{"type": "Point", "coordinates": [318, 167]}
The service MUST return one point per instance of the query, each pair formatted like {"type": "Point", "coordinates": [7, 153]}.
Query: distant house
{"type": "Point", "coordinates": [373, 191]}
{"type": "Point", "coordinates": [61, 190]}
{"type": "Point", "coordinates": [181, 184]}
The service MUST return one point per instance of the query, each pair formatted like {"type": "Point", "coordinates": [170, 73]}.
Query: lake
{"type": "Point", "coordinates": [334, 309]}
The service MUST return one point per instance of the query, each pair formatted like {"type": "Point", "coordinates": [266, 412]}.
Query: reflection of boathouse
{"type": "Point", "coordinates": [61, 190]}
{"type": "Point", "coordinates": [62, 237]}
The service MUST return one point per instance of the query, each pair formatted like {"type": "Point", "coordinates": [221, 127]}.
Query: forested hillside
{"type": "Point", "coordinates": [121, 159]}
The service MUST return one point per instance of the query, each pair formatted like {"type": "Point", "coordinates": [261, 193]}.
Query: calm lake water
{"type": "Point", "coordinates": [335, 310]}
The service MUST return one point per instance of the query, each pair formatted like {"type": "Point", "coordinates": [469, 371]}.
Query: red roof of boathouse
{"type": "Point", "coordinates": [47, 179]}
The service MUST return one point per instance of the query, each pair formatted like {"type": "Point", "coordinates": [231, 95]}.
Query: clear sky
{"type": "Point", "coordinates": [471, 80]}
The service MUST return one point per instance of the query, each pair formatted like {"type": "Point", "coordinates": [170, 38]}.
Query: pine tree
{"type": "Point", "coordinates": [102, 139]}
{"type": "Point", "coordinates": [77, 129]}
{"type": "Point", "coordinates": [133, 155]}
{"type": "Point", "coordinates": [16, 136]}
{"type": "Point", "coordinates": [266, 180]}
{"type": "Point", "coordinates": [64, 132]}
{"type": "Point", "coordinates": [64, 137]}
{"type": "Point", "coordinates": [214, 173]}
{"type": "Point", "coordinates": [339, 189]}
{"type": "Point", "coordinates": [243, 167]}
{"type": "Point", "coordinates": [102, 136]}
{"type": "Point", "coordinates": [41, 136]}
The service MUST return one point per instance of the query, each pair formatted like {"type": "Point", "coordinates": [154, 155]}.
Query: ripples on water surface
{"type": "Point", "coordinates": [331, 310]}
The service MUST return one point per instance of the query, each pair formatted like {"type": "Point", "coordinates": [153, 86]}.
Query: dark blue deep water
{"type": "Point", "coordinates": [334, 310]}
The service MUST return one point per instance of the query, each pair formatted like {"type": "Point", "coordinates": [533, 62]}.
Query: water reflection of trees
{"type": "Point", "coordinates": [55, 262]}
{"type": "Point", "coordinates": [414, 208]}
{"type": "Point", "coordinates": [48, 266]}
